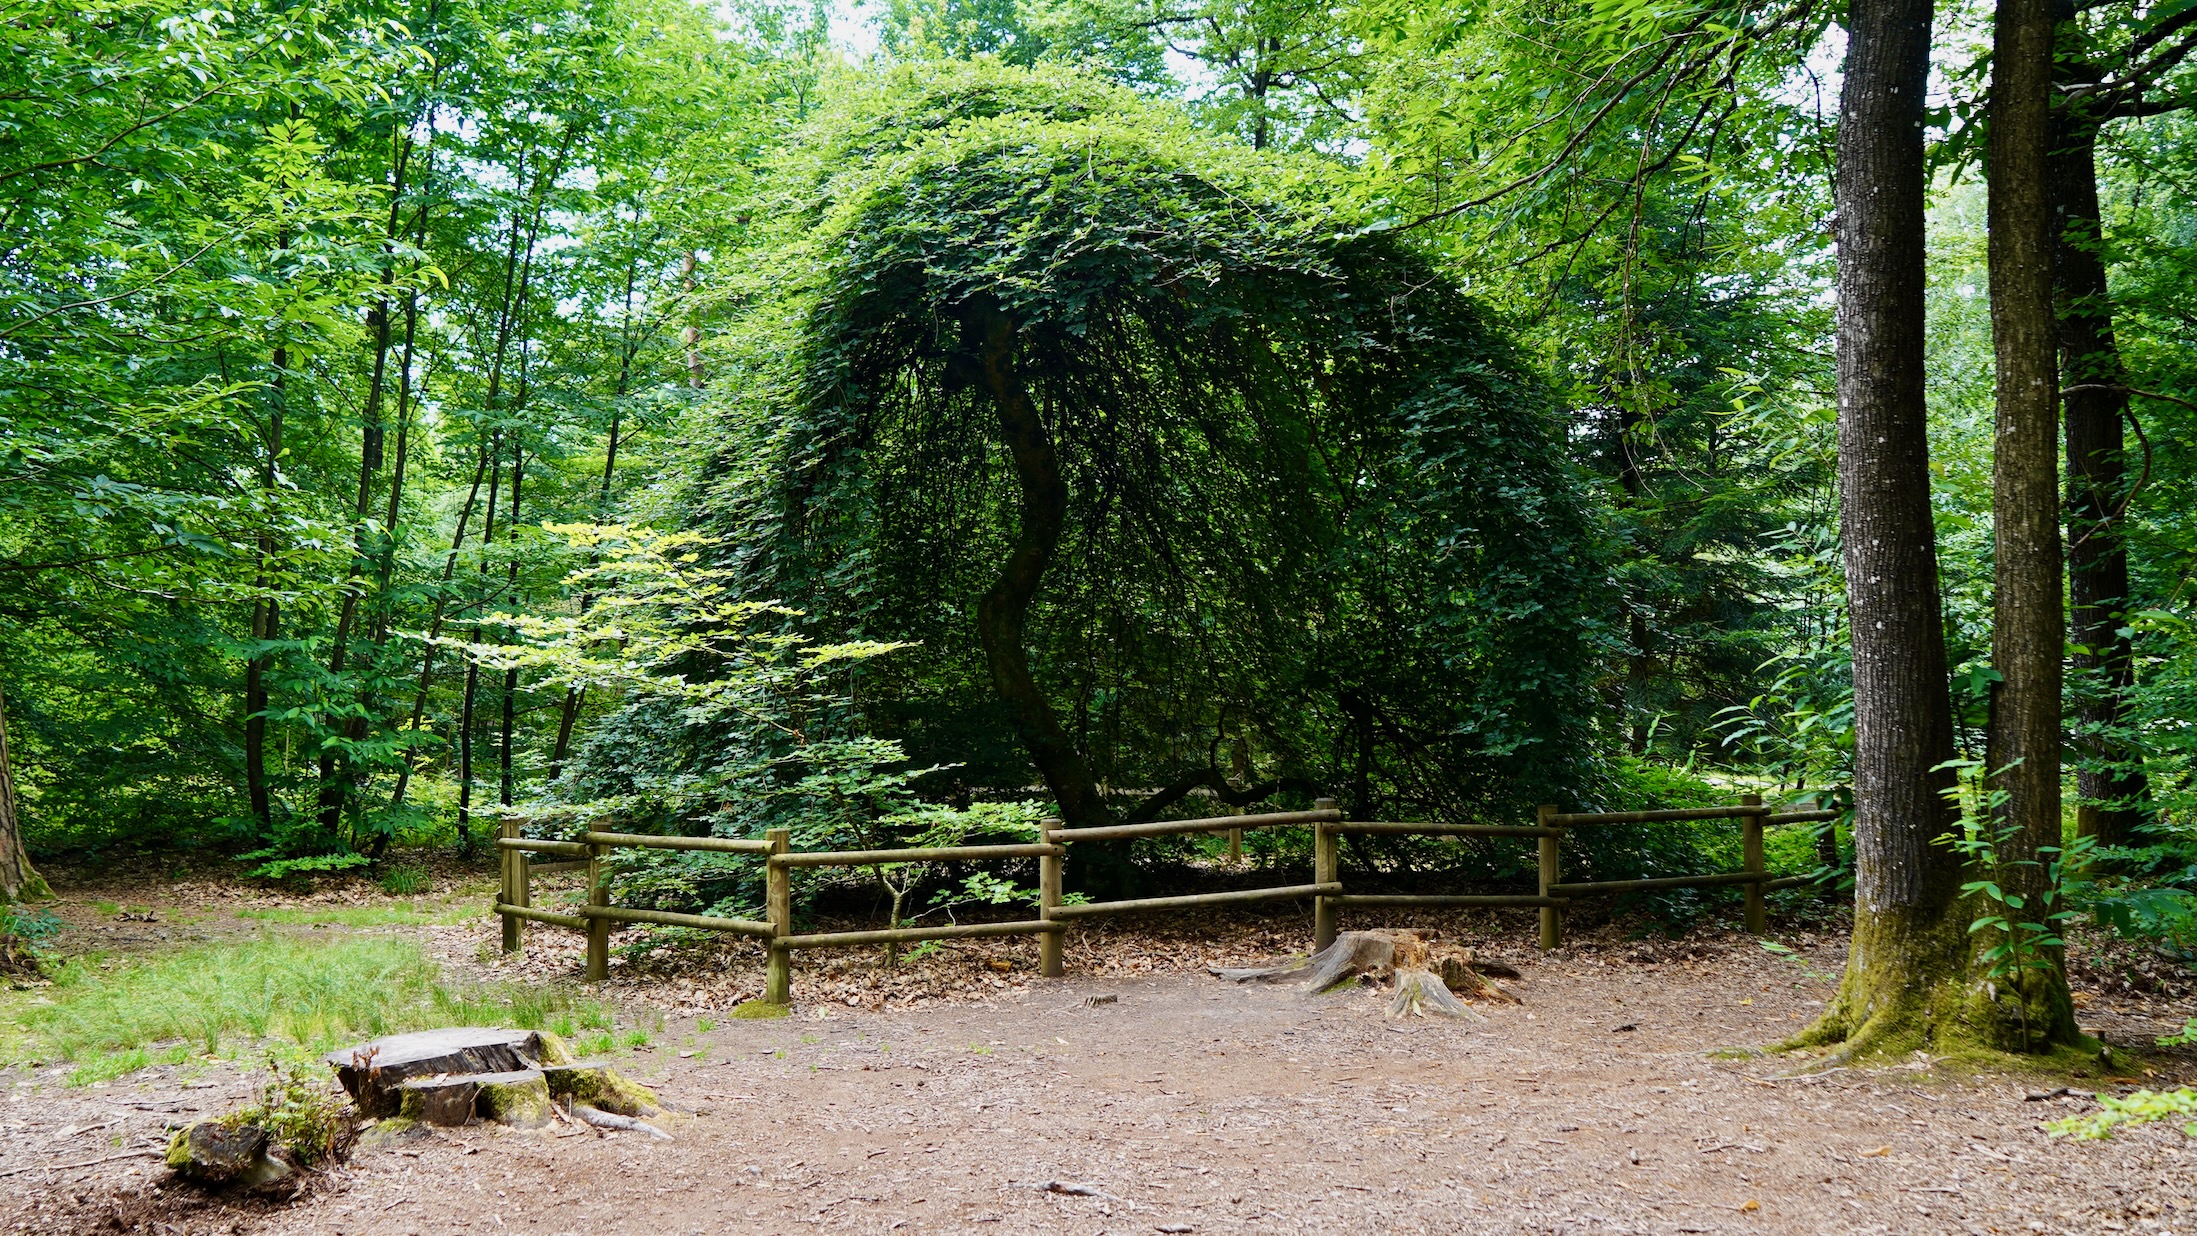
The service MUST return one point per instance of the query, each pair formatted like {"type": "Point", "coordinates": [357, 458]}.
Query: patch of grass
{"type": "Point", "coordinates": [404, 881]}
{"type": "Point", "coordinates": [221, 998]}
{"type": "Point", "coordinates": [758, 1010]}
{"type": "Point", "coordinates": [633, 1038]}
{"type": "Point", "coordinates": [598, 1045]}
{"type": "Point", "coordinates": [704, 1025]}
{"type": "Point", "coordinates": [407, 915]}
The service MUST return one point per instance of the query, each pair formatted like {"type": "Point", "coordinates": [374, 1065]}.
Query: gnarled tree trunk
{"type": "Point", "coordinates": [1002, 615]}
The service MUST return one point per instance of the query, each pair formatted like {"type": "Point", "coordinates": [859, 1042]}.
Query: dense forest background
{"type": "Point", "coordinates": [414, 410]}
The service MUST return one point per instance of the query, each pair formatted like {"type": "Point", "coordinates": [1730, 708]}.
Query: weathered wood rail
{"type": "Point", "coordinates": [1326, 891]}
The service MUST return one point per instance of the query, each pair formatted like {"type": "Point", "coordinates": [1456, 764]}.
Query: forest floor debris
{"type": "Point", "coordinates": [1186, 1102]}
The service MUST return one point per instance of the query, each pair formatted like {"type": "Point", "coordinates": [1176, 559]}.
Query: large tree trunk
{"type": "Point", "coordinates": [2097, 554]}
{"type": "Point", "coordinates": [2028, 630]}
{"type": "Point", "coordinates": [1003, 613]}
{"type": "Point", "coordinates": [18, 881]}
{"type": "Point", "coordinates": [1910, 948]}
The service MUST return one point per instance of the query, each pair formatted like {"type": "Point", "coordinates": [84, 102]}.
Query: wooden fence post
{"type": "Point", "coordinates": [1552, 917]}
{"type": "Point", "coordinates": [598, 929]}
{"type": "Point", "coordinates": [1048, 899]}
{"type": "Point", "coordinates": [1750, 835]}
{"type": "Point", "coordinates": [1323, 872]}
{"type": "Point", "coordinates": [778, 908]}
{"type": "Point", "coordinates": [514, 930]}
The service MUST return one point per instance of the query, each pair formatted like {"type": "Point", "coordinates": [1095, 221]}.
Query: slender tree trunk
{"type": "Point", "coordinates": [1003, 614]}
{"type": "Point", "coordinates": [628, 344]}
{"type": "Point", "coordinates": [18, 880]}
{"type": "Point", "coordinates": [2028, 631]}
{"type": "Point", "coordinates": [434, 622]}
{"type": "Point", "coordinates": [473, 674]}
{"type": "Point", "coordinates": [2110, 788]}
{"type": "Point", "coordinates": [510, 676]}
{"type": "Point", "coordinates": [1909, 944]}
{"type": "Point", "coordinates": [371, 437]}
{"type": "Point", "coordinates": [266, 611]}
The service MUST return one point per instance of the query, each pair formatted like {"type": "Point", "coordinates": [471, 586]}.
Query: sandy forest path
{"type": "Point", "coordinates": [1602, 1104]}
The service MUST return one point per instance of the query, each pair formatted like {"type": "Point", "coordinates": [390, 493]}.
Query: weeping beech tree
{"type": "Point", "coordinates": [1176, 474]}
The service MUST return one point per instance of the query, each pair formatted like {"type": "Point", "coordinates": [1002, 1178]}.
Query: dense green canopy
{"type": "Point", "coordinates": [1177, 474]}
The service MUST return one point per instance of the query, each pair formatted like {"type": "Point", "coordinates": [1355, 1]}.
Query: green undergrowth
{"type": "Point", "coordinates": [2141, 1107]}
{"type": "Point", "coordinates": [410, 914]}
{"type": "Point", "coordinates": [110, 1019]}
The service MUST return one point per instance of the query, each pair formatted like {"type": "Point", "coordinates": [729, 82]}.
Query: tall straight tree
{"type": "Point", "coordinates": [2119, 69]}
{"type": "Point", "coordinates": [2028, 632]}
{"type": "Point", "coordinates": [1907, 941]}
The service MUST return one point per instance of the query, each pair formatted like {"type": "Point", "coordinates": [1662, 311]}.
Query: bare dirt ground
{"type": "Point", "coordinates": [960, 1094]}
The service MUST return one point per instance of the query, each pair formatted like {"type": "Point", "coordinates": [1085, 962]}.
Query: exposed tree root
{"type": "Point", "coordinates": [606, 1120]}
{"type": "Point", "coordinates": [1419, 992]}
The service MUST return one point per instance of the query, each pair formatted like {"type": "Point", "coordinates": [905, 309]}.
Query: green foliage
{"type": "Point", "coordinates": [2141, 1107]}
{"type": "Point", "coordinates": [2021, 941]}
{"type": "Point", "coordinates": [314, 994]}
{"type": "Point", "coordinates": [301, 1111]}
{"type": "Point", "coordinates": [1392, 559]}
{"type": "Point", "coordinates": [29, 929]}
{"type": "Point", "coordinates": [272, 868]}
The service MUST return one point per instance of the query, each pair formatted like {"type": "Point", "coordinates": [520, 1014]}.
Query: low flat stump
{"type": "Point", "coordinates": [375, 1072]}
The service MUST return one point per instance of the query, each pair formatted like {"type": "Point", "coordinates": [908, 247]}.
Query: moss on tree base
{"type": "Point", "coordinates": [1912, 985]}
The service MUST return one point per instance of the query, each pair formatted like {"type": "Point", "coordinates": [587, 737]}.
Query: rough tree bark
{"type": "Point", "coordinates": [1003, 613]}
{"type": "Point", "coordinates": [1910, 948]}
{"type": "Point", "coordinates": [2028, 630]}
{"type": "Point", "coordinates": [18, 880]}
{"type": "Point", "coordinates": [2097, 478]}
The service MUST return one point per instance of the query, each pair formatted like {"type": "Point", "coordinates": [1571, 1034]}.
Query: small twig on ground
{"type": "Point", "coordinates": [1072, 1189]}
{"type": "Point", "coordinates": [63, 1167]}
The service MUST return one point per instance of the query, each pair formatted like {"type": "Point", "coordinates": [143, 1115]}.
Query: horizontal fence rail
{"type": "Point", "coordinates": [1241, 896]}
{"type": "Point", "coordinates": [934, 854]}
{"type": "Point", "coordinates": [1215, 824]}
{"type": "Point", "coordinates": [898, 935]}
{"type": "Point", "coordinates": [1326, 890]}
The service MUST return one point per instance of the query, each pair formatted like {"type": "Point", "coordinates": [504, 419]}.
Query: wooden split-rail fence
{"type": "Point", "coordinates": [1051, 850]}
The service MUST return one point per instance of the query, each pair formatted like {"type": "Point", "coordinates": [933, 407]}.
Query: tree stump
{"type": "Point", "coordinates": [519, 1098]}
{"type": "Point", "coordinates": [600, 1087]}
{"type": "Point", "coordinates": [440, 1099]}
{"type": "Point", "coordinates": [213, 1152]}
{"type": "Point", "coordinates": [375, 1072]}
{"type": "Point", "coordinates": [1425, 977]}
